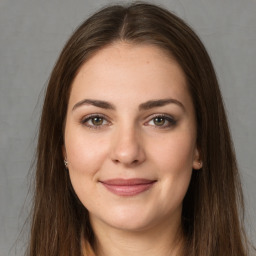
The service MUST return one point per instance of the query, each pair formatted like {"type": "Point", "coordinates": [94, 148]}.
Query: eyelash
{"type": "Point", "coordinates": [88, 118]}
{"type": "Point", "coordinates": [171, 122]}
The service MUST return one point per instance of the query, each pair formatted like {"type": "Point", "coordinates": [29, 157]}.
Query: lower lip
{"type": "Point", "coordinates": [128, 190]}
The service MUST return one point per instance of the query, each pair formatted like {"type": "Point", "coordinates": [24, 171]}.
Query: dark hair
{"type": "Point", "coordinates": [212, 215]}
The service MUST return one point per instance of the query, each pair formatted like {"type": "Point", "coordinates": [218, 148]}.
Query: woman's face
{"type": "Point", "coordinates": [130, 137]}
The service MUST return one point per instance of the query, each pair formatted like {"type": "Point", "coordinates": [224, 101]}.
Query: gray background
{"type": "Point", "coordinates": [32, 33]}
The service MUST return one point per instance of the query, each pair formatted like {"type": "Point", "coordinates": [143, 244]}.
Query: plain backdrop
{"type": "Point", "coordinates": [32, 34]}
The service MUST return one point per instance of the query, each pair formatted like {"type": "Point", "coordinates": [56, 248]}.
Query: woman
{"type": "Point", "coordinates": [134, 153]}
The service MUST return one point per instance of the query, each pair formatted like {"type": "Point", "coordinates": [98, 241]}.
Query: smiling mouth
{"type": "Point", "coordinates": [128, 187]}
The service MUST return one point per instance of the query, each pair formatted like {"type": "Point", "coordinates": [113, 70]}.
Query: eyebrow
{"type": "Point", "coordinates": [96, 103]}
{"type": "Point", "coordinates": [144, 106]}
{"type": "Point", "coordinates": [159, 103]}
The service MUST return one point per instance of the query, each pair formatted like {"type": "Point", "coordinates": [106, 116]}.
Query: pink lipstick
{"type": "Point", "coordinates": [128, 187]}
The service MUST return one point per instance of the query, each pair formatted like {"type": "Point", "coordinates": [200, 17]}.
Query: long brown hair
{"type": "Point", "coordinates": [213, 209]}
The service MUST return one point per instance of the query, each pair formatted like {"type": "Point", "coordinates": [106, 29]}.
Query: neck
{"type": "Point", "coordinates": [162, 240]}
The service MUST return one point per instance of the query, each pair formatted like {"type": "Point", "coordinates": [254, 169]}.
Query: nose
{"type": "Point", "coordinates": [127, 147]}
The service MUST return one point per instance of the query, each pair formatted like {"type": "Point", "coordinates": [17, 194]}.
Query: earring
{"type": "Point", "coordinates": [66, 163]}
{"type": "Point", "coordinates": [200, 163]}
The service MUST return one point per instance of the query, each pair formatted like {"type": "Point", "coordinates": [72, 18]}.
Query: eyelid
{"type": "Point", "coordinates": [172, 121]}
{"type": "Point", "coordinates": [86, 118]}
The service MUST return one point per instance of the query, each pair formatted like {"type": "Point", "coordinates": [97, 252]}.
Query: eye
{"type": "Point", "coordinates": [159, 121]}
{"type": "Point", "coordinates": [95, 121]}
{"type": "Point", "coordinates": [162, 121]}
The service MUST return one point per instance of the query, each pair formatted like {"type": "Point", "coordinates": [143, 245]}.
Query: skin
{"type": "Point", "coordinates": [129, 141]}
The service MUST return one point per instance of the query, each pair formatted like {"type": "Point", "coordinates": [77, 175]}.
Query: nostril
{"type": "Point", "coordinates": [127, 152]}
{"type": "Point", "coordinates": [136, 161]}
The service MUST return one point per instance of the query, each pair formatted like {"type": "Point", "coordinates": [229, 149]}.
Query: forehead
{"type": "Point", "coordinates": [127, 70]}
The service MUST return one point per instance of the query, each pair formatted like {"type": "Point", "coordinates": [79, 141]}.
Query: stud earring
{"type": "Point", "coordinates": [66, 163]}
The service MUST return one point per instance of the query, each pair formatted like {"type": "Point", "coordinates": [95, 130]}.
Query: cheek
{"type": "Point", "coordinates": [85, 154]}
{"type": "Point", "coordinates": [174, 153]}
{"type": "Point", "coordinates": [174, 161]}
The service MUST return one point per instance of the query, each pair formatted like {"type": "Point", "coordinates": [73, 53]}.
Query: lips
{"type": "Point", "coordinates": [128, 187]}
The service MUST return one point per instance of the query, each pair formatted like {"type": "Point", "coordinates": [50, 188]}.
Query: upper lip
{"type": "Point", "coordinates": [127, 182]}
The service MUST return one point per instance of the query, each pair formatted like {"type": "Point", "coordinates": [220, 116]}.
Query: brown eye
{"type": "Point", "coordinates": [159, 121]}
{"type": "Point", "coordinates": [162, 121]}
{"type": "Point", "coordinates": [97, 120]}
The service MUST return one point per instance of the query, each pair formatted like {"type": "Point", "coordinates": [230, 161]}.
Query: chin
{"type": "Point", "coordinates": [128, 219]}
{"type": "Point", "coordinates": [130, 225]}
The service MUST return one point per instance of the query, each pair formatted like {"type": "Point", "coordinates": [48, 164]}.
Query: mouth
{"type": "Point", "coordinates": [128, 187]}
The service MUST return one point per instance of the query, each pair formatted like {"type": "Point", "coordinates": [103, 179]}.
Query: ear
{"type": "Point", "coordinates": [197, 161]}
{"type": "Point", "coordinates": [64, 153]}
